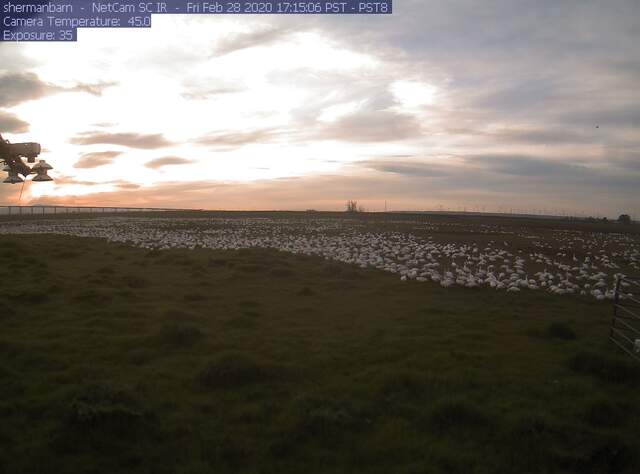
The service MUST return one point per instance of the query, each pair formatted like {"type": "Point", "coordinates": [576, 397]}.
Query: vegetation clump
{"type": "Point", "coordinates": [179, 335]}
{"type": "Point", "coordinates": [458, 414]}
{"type": "Point", "coordinates": [560, 331]}
{"type": "Point", "coordinates": [104, 407]}
{"type": "Point", "coordinates": [603, 413]}
{"type": "Point", "coordinates": [606, 368]}
{"type": "Point", "coordinates": [306, 291]}
{"type": "Point", "coordinates": [6, 310]}
{"type": "Point", "coordinates": [624, 219]}
{"type": "Point", "coordinates": [530, 443]}
{"type": "Point", "coordinates": [105, 418]}
{"type": "Point", "coordinates": [281, 272]}
{"type": "Point", "coordinates": [232, 369]}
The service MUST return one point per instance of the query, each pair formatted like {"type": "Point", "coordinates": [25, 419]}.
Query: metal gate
{"type": "Point", "coordinates": [625, 327]}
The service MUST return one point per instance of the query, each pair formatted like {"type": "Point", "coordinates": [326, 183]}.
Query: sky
{"type": "Point", "coordinates": [485, 105]}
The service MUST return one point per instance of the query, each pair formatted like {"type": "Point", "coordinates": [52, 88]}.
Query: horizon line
{"type": "Point", "coordinates": [310, 211]}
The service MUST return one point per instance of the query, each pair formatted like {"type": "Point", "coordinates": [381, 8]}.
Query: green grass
{"type": "Point", "coordinates": [115, 359]}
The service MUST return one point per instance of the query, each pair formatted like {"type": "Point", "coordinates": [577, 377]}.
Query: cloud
{"type": "Point", "coordinates": [128, 186]}
{"type": "Point", "coordinates": [237, 139]}
{"type": "Point", "coordinates": [261, 37]}
{"type": "Point", "coordinates": [68, 180]}
{"type": "Point", "coordinates": [212, 84]}
{"type": "Point", "coordinates": [93, 89]}
{"type": "Point", "coordinates": [368, 92]}
{"type": "Point", "coordinates": [131, 140]}
{"type": "Point", "coordinates": [167, 161]}
{"type": "Point", "coordinates": [94, 160]}
{"type": "Point", "coordinates": [18, 87]}
{"type": "Point", "coordinates": [627, 161]}
{"type": "Point", "coordinates": [415, 169]}
{"type": "Point", "coordinates": [104, 124]}
{"type": "Point", "coordinates": [521, 94]}
{"type": "Point", "coordinates": [14, 59]}
{"type": "Point", "coordinates": [558, 135]}
{"type": "Point", "coordinates": [204, 92]}
{"type": "Point", "coordinates": [12, 124]}
{"type": "Point", "coordinates": [605, 116]}
{"type": "Point", "coordinates": [371, 126]}
{"type": "Point", "coordinates": [527, 166]}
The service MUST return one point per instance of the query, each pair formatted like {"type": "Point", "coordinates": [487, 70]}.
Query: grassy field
{"type": "Point", "coordinates": [116, 359]}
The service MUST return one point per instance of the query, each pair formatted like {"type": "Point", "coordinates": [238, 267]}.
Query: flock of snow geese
{"type": "Point", "coordinates": [449, 254]}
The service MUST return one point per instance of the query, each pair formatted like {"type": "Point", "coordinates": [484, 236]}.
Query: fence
{"type": "Point", "coordinates": [54, 210]}
{"type": "Point", "coordinates": [625, 327]}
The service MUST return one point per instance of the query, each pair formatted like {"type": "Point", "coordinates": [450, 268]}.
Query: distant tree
{"type": "Point", "coordinates": [624, 219]}
{"type": "Point", "coordinates": [352, 206]}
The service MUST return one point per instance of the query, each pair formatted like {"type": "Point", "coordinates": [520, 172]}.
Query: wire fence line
{"type": "Point", "coordinates": [625, 326]}
{"type": "Point", "coordinates": [43, 210]}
